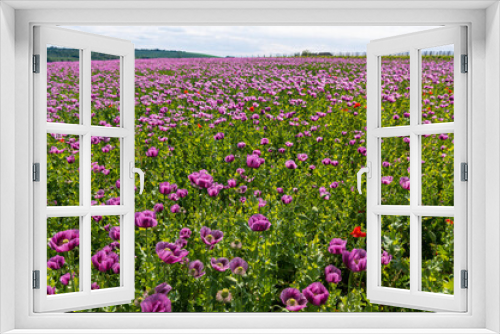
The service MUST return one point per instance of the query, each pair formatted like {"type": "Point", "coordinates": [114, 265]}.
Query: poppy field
{"type": "Point", "coordinates": [250, 200]}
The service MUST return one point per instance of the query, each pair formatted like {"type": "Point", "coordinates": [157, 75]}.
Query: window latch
{"type": "Point", "coordinates": [368, 171]}
{"type": "Point", "coordinates": [133, 170]}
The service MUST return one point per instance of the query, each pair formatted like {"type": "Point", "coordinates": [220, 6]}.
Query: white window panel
{"type": "Point", "coordinates": [84, 297]}
{"type": "Point", "coordinates": [414, 297]}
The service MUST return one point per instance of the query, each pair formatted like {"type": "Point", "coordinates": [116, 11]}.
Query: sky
{"type": "Point", "coordinates": [247, 41]}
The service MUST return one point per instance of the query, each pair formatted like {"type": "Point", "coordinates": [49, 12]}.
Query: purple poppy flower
{"type": "Point", "coordinates": [406, 140]}
{"type": "Point", "coordinates": [70, 159]}
{"type": "Point", "coordinates": [259, 222]}
{"type": "Point", "coordinates": [185, 233]}
{"type": "Point", "coordinates": [65, 241]}
{"type": "Point", "coordinates": [240, 171]}
{"type": "Point", "coordinates": [241, 144]}
{"type": "Point", "coordinates": [117, 184]}
{"type": "Point", "coordinates": [56, 262]}
{"type": "Point", "coordinates": [94, 286]}
{"type": "Point", "coordinates": [224, 296]}
{"type": "Point", "coordinates": [281, 150]}
{"type": "Point", "coordinates": [170, 253]}
{"type": "Point", "coordinates": [257, 152]}
{"type": "Point", "coordinates": [51, 290]}
{"type": "Point", "coordinates": [202, 179]}
{"type": "Point", "coordinates": [145, 220]}
{"type": "Point", "coordinates": [196, 269]}
{"type": "Point", "coordinates": [264, 141]}
{"type": "Point", "coordinates": [99, 194]}
{"type": "Point", "coordinates": [220, 264]}
{"type": "Point", "coordinates": [242, 189]}
{"type": "Point", "coordinates": [286, 199]}
{"type": "Point", "coordinates": [167, 188]}
{"type": "Point", "coordinates": [334, 163]}
{"type": "Point", "coordinates": [210, 237]}
{"type": "Point", "coordinates": [231, 183]}
{"type": "Point", "coordinates": [280, 190]}
{"type": "Point", "coordinates": [219, 136]}
{"type": "Point", "coordinates": [254, 161]}
{"type": "Point", "coordinates": [262, 203]}
{"type": "Point", "coordinates": [158, 207]}
{"type": "Point", "coordinates": [182, 193]}
{"type": "Point", "coordinates": [175, 208]}
{"type": "Point", "coordinates": [293, 299]}
{"type": "Point", "coordinates": [181, 242]}
{"type": "Point", "coordinates": [337, 246]}
{"type": "Point", "coordinates": [333, 274]}
{"type": "Point", "coordinates": [334, 185]}
{"type": "Point", "coordinates": [319, 139]}
{"type": "Point", "coordinates": [163, 288]}
{"type": "Point", "coordinates": [289, 144]}
{"type": "Point", "coordinates": [116, 268]}
{"type": "Point", "coordinates": [114, 233]}
{"type": "Point", "coordinates": [316, 294]}
{"type": "Point", "coordinates": [152, 152]}
{"type": "Point", "coordinates": [302, 157]}
{"type": "Point", "coordinates": [156, 303]}
{"type": "Point", "coordinates": [405, 182]}
{"type": "Point", "coordinates": [229, 158]}
{"type": "Point", "coordinates": [355, 260]}
{"type": "Point", "coordinates": [386, 164]}
{"type": "Point", "coordinates": [386, 258]}
{"type": "Point", "coordinates": [443, 136]}
{"type": "Point", "coordinates": [238, 266]}
{"type": "Point", "coordinates": [213, 191]}
{"type": "Point", "coordinates": [103, 260]}
{"type": "Point", "coordinates": [326, 161]}
{"type": "Point", "coordinates": [290, 164]}
{"type": "Point", "coordinates": [64, 279]}
{"type": "Point", "coordinates": [173, 197]}
{"type": "Point", "coordinates": [362, 150]}
{"type": "Point", "coordinates": [386, 179]}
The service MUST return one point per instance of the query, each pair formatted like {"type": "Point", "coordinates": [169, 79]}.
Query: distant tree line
{"type": "Point", "coordinates": [63, 54]}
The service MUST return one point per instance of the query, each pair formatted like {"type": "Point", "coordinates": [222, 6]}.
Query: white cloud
{"type": "Point", "coordinates": [251, 40]}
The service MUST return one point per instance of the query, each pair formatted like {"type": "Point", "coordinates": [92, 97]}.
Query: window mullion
{"type": "Point", "coordinates": [415, 182]}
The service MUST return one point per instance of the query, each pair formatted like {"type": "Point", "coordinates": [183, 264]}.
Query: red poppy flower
{"type": "Point", "coordinates": [199, 125]}
{"type": "Point", "coordinates": [185, 92]}
{"type": "Point", "coordinates": [252, 108]}
{"type": "Point", "coordinates": [357, 232]}
{"type": "Point", "coordinates": [449, 221]}
{"type": "Point", "coordinates": [357, 104]}
{"type": "Point", "coordinates": [61, 140]}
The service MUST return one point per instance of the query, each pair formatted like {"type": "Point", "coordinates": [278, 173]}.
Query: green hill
{"type": "Point", "coordinates": [63, 54]}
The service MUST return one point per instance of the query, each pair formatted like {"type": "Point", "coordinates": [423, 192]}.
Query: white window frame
{"type": "Point", "coordinates": [484, 102]}
{"type": "Point", "coordinates": [84, 297]}
{"type": "Point", "coordinates": [413, 43]}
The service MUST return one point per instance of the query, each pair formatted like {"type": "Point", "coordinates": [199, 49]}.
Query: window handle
{"type": "Point", "coordinates": [368, 171]}
{"type": "Point", "coordinates": [134, 170]}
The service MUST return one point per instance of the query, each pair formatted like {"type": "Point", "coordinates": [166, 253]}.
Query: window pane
{"type": "Point", "coordinates": [63, 85]}
{"type": "Point", "coordinates": [395, 89]}
{"type": "Point", "coordinates": [63, 255]}
{"type": "Point", "coordinates": [63, 169]}
{"type": "Point", "coordinates": [437, 169]}
{"type": "Point", "coordinates": [105, 104]}
{"type": "Point", "coordinates": [395, 252]}
{"type": "Point", "coordinates": [437, 254]}
{"type": "Point", "coordinates": [395, 171]}
{"type": "Point", "coordinates": [105, 171]}
{"type": "Point", "coordinates": [105, 252]}
{"type": "Point", "coordinates": [437, 84]}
